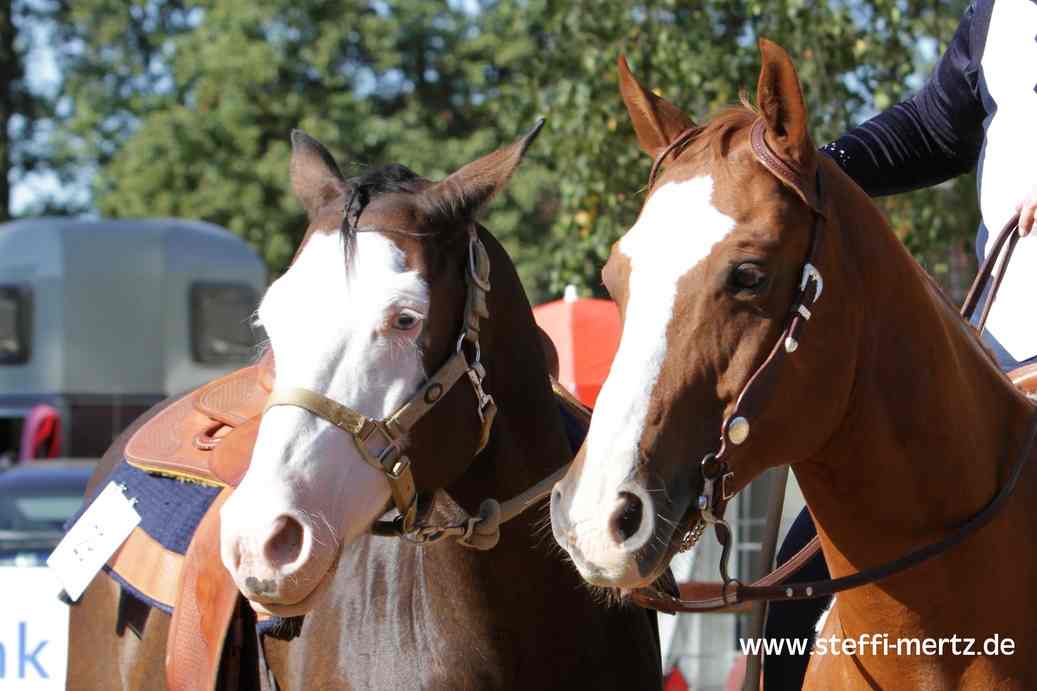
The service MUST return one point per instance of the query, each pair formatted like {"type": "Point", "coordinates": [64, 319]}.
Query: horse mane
{"type": "Point", "coordinates": [715, 136]}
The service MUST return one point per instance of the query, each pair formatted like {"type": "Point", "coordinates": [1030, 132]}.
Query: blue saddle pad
{"type": "Point", "coordinates": [170, 510]}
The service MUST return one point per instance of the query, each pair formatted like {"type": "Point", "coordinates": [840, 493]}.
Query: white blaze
{"type": "Point", "coordinates": [333, 336]}
{"type": "Point", "coordinates": [677, 229]}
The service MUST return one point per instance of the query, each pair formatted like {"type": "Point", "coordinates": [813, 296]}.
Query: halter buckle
{"type": "Point", "coordinates": [726, 493]}
{"type": "Point", "coordinates": [390, 459]}
{"type": "Point", "coordinates": [476, 374]}
{"type": "Point", "coordinates": [393, 462]}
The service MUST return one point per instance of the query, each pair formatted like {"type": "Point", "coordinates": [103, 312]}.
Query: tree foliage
{"type": "Point", "coordinates": [23, 110]}
{"type": "Point", "coordinates": [184, 107]}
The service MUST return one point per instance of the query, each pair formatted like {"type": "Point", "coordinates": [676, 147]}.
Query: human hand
{"type": "Point", "coordinates": [1027, 209]}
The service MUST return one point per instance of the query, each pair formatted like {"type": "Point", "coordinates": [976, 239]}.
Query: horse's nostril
{"type": "Point", "coordinates": [626, 519]}
{"type": "Point", "coordinates": [285, 542]}
{"type": "Point", "coordinates": [556, 499]}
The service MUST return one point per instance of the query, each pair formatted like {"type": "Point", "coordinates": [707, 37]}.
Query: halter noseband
{"type": "Point", "coordinates": [381, 443]}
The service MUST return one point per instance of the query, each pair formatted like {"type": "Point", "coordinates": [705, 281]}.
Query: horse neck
{"type": "Point", "coordinates": [931, 426]}
{"type": "Point", "coordinates": [528, 440]}
{"type": "Point", "coordinates": [521, 582]}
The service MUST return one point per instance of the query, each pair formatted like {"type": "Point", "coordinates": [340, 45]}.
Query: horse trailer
{"type": "Point", "coordinates": [101, 319]}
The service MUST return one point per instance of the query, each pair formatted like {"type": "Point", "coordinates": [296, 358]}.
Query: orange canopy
{"type": "Point", "coordinates": [586, 333]}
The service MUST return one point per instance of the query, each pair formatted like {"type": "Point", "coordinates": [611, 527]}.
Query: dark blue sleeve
{"type": "Point", "coordinates": [933, 136]}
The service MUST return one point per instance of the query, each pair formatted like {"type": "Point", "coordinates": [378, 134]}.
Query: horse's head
{"type": "Point", "coordinates": [377, 308]}
{"type": "Point", "coordinates": [705, 281]}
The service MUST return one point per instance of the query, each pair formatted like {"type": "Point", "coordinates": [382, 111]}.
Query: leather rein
{"type": "Point", "coordinates": [382, 443]}
{"type": "Point", "coordinates": [716, 469]}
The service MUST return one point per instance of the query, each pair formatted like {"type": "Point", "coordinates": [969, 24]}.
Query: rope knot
{"type": "Point", "coordinates": [482, 532]}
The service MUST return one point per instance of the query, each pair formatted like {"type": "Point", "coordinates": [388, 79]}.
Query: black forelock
{"type": "Point", "coordinates": [389, 178]}
{"type": "Point", "coordinates": [373, 183]}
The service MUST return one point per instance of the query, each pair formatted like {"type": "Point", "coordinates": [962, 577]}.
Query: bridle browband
{"type": "Point", "coordinates": [716, 468]}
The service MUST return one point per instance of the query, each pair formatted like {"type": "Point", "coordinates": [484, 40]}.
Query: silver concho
{"type": "Point", "coordinates": [738, 430]}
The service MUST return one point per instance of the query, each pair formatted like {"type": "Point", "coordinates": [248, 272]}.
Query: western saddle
{"type": "Point", "coordinates": [205, 437]}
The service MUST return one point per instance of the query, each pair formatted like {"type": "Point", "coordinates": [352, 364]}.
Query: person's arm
{"type": "Point", "coordinates": [933, 136]}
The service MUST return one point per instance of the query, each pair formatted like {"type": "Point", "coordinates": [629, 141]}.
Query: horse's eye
{"type": "Point", "coordinates": [748, 276]}
{"type": "Point", "coordinates": [406, 320]}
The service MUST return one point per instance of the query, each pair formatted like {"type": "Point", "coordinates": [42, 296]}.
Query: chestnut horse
{"type": "Point", "coordinates": [366, 315]}
{"type": "Point", "coordinates": [895, 419]}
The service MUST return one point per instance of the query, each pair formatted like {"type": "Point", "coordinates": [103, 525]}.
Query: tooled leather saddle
{"type": "Point", "coordinates": [205, 437]}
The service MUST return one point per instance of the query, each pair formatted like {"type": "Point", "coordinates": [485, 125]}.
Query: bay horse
{"type": "Point", "coordinates": [366, 317]}
{"type": "Point", "coordinates": [895, 419]}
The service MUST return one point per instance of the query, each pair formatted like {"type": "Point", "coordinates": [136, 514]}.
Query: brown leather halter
{"type": "Point", "coordinates": [717, 469]}
{"type": "Point", "coordinates": [381, 442]}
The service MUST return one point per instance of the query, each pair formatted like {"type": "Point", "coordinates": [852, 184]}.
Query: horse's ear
{"type": "Point", "coordinates": [316, 178]}
{"type": "Point", "coordinates": [466, 190]}
{"type": "Point", "coordinates": [657, 122]}
{"type": "Point", "coordinates": [780, 98]}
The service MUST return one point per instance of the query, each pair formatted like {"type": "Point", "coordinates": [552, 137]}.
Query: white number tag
{"type": "Point", "coordinates": [92, 540]}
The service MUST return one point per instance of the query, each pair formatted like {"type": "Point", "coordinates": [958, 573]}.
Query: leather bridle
{"type": "Point", "coordinates": [382, 443]}
{"type": "Point", "coordinates": [716, 468]}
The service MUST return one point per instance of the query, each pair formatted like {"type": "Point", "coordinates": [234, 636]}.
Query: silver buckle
{"type": "Point", "coordinates": [810, 273]}
{"type": "Point", "coordinates": [476, 373]}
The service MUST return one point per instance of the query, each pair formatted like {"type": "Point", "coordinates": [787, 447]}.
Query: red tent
{"type": "Point", "coordinates": [675, 681]}
{"type": "Point", "coordinates": [586, 333]}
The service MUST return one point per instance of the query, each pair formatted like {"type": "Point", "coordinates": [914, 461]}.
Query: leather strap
{"type": "Point", "coordinates": [772, 586]}
{"type": "Point", "coordinates": [674, 148]}
{"type": "Point", "coordinates": [991, 268]}
{"type": "Point", "coordinates": [204, 607]}
{"type": "Point", "coordinates": [799, 181]}
{"type": "Point", "coordinates": [346, 419]}
{"type": "Point", "coordinates": [482, 531]}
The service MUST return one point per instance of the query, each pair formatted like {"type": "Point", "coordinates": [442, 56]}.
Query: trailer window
{"type": "Point", "coordinates": [15, 324]}
{"type": "Point", "coordinates": [220, 322]}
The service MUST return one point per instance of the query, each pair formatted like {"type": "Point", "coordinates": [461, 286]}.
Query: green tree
{"type": "Point", "coordinates": [853, 62]}
{"type": "Point", "coordinates": [184, 107]}
{"type": "Point", "coordinates": [22, 110]}
{"type": "Point", "coordinates": [187, 110]}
